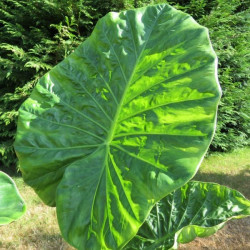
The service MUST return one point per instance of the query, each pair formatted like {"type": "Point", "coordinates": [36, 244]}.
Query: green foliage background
{"type": "Point", "coordinates": [37, 34]}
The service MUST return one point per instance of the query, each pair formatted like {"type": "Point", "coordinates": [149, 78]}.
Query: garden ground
{"type": "Point", "coordinates": [38, 228]}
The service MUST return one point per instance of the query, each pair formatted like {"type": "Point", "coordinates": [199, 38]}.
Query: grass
{"type": "Point", "coordinates": [231, 170]}
{"type": "Point", "coordinates": [38, 228]}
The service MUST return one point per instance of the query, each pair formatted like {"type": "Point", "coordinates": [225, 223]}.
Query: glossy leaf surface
{"type": "Point", "coordinates": [12, 206]}
{"type": "Point", "coordinates": [196, 209]}
{"type": "Point", "coordinates": [120, 123]}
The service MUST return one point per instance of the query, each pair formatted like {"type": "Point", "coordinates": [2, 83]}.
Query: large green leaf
{"type": "Point", "coordinates": [12, 206]}
{"type": "Point", "coordinates": [120, 123]}
{"type": "Point", "coordinates": [196, 209]}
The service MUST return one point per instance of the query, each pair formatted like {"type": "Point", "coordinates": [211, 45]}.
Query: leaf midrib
{"type": "Point", "coordinates": [114, 123]}
{"type": "Point", "coordinates": [127, 81]}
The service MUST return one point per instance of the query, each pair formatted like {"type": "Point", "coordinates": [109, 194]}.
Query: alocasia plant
{"type": "Point", "coordinates": [12, 206]}
{"type": "Point", "coordinates": [119, 124]}
{"type": "Point", "coordinates": [195, 209]}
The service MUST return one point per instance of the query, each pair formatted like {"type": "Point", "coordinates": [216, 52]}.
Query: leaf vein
{"type": "Point", "coordinates": [132, 35]}
{"type": "Point", "coordinates": [115, 166]}
{"type": "Point", "coordinates": [135, 156]}
{"type": "Point", "coordinates": [162, 105]}
{"type": "Point", "coordinates": [66, 125]}
{"type": "Point", "coordinates": [167, 80]}
{"type": "Point", "coordinates": [151, 133]}
{"type": "Point", "coordinates": [102, 77]}
{"type": "Point", "coordinates": [82, 146]}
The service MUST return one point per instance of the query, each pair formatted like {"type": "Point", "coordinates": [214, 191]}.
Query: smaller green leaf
{"type": "Point", "coordinates": [196, 209]}
{"type": "Point", "coordinates": [12, 206]}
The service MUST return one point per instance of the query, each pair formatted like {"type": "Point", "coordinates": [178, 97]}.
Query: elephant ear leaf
{"type": "Point", "coordinates": [120, 123]}
{"type": "Point", "coordinates": [197, 209]}
{"type": "Point", "coordinates": [12, 206]}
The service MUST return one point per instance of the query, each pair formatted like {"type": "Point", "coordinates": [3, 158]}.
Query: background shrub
{"type": "Point", "coordinates": [37, 34]}
{"type": "Point", "coordinates": [229, 24]}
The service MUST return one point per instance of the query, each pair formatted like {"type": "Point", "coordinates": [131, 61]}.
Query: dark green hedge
{"type": "Point", "coordinates": [37, 34]}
